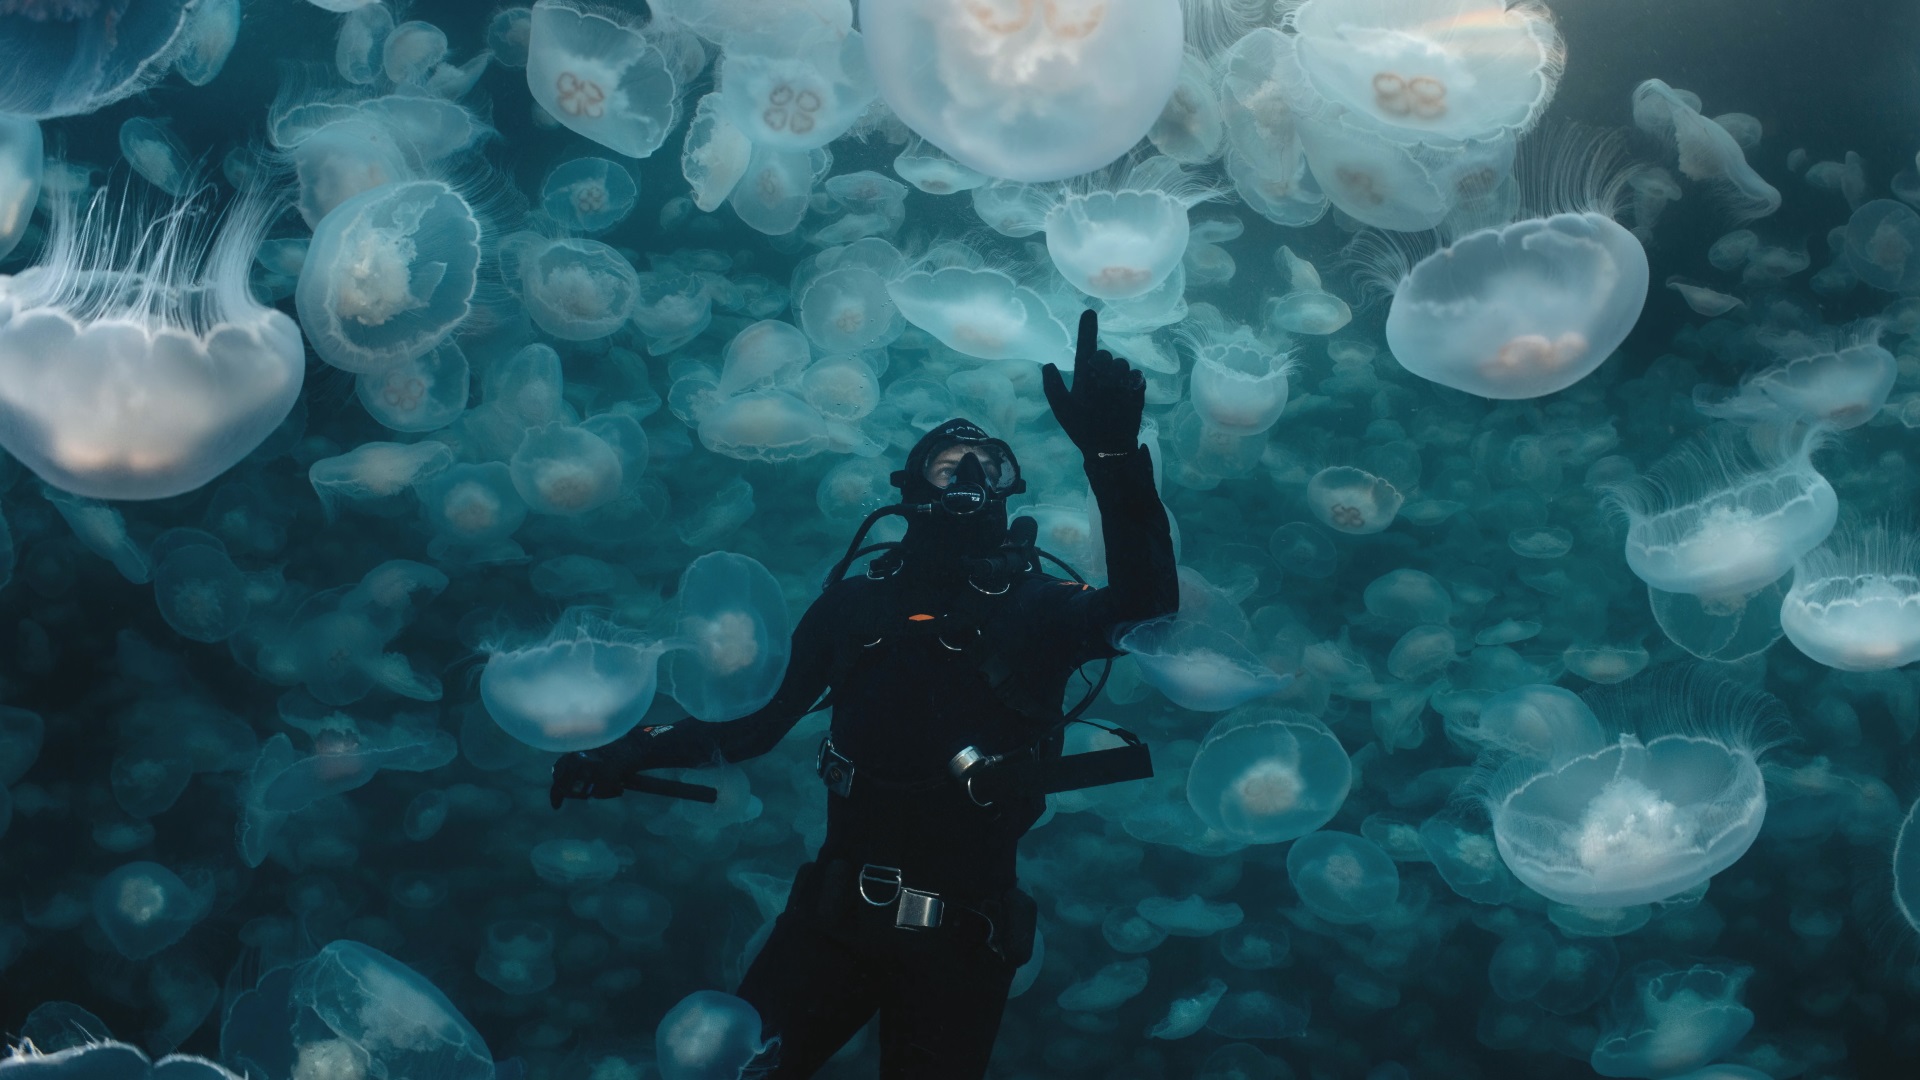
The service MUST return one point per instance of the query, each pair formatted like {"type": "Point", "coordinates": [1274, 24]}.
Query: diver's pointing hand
{"type": "Point", "coordinates": [1101, 414]}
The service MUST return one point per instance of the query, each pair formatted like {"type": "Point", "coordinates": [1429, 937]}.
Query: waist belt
{"type": "Point", "coordinates": [881, 907]}
{"type": "Point", "coordinates": [988, 778]}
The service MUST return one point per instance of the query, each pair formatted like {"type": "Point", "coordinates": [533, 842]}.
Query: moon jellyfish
{"type": "Point", "coordinates": [1025, 89]}
{"type": "Point", "coordinates": [1198, 666]}
{"type": "Point", "coordinates": [925, 167]}
{"type": "Point", "coordinates": [390, 274]}
{"type": "Point", "coordinates": [842, 300]}
{"type": "Point", "coordinates": [795, 92]}
{"type": "Point", "coordinates": [1855, 602]}
{"type": "Point", "coordinates": [1119, 238]}
{"type": "Point", "coordinates": [1720, 517]}
{"type": "Point", "coordinates": [1906, 867]}
{"type": "Point", "coordinates": [23, 158]}
{"type": "Point", "coordinates": [72, 57]}
{"type": "Point", "coordinates": [764, 425]}
{"type": "Point", "coordinates": [709, 1036]}
{"type": "Point", "coordinates": [588, 683]}
{"type": "Point", "coordinates": [411, 51]}
{"type": "Point", "coordinates": [134, 361]}
{"type": "Point", "coordinates": [714, 155]}
{"type": "Point", "coordinates": [589, 194]}
{"type": "Point", "coordinates": [578, 290]}
{"type": "Point", "coordinates": [1239, 384]}
{"type": "Point", "coordinates": [144, 907]}
{"type": "Point", "coordinates": [774, 192]}
{"type": "Point", "coordinates": [386, 1018]}
{"type": "Point", "coordinates": [982, 313]}
{"type": "Point", "coordinates": [730, 649]}
{"type": "Point", "coordinates": [672, 307]}
{"type": "Point", "coordinates": [1353, 501]}
{"type": "Point", "coordinates": [1671, 1020]}
{"type": "Point", "coordinates": [1341, 877]}
{"type": "Point", "coordinates": [207, 41]}
{"type": "Point", "coordinates": [566, 471]}
{"type": "Point", "coordinates": [1704, 301]}
{"type": "Point", "coordinates": [425, 393]}
{"type": "Point", "coordinates": [157, 154]}
{"type": "Point", "coordinates": [473, 510]}
{"type": "Point", "coordinates": [1814, 382]}
{"type": "Point", "coordinates": [1883, 245]}
{"type": "Point", "coordinates": [1707, 153]}
{"type": "Point", "coordinates": [602, 79]}
{"type": "Point", "coordinates": [200, 593]}
{"type": "Point", "coordinates": [1265, 158]}
{"type": "Point", "coordinates": [1268, 776]}
{"type": "Point", "coordinates": [1651, 814]}
{"type": "Point", "coordinates": [1522, 310]}
{"type": "Point", "coordinates": [766, 355]}
{"type": "Point", "coordinates": [1536, 720]}
{"type": "Point", "coordinates": [518, 958]}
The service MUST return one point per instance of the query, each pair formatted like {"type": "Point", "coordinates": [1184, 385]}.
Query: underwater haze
{"type": "Point", "coordinates": [396, 396]}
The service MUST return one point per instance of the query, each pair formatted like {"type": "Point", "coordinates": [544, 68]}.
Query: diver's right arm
{"type": "Point", "coordinates": [689, 744]}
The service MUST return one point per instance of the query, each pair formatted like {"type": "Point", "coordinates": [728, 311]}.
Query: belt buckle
{"type": "Point", "coordinates": [835, 769]}
{"type": "Point", "coordinates": [880, 875]}
{"type": "Point", "coordinates": [918, 910]}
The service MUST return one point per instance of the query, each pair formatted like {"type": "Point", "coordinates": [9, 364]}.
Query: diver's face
{"type": "Point", "coordinates": [941, 469]}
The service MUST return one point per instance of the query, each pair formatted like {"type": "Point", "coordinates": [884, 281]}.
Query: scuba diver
{"type": "Point", "coordinates": [946, 665]}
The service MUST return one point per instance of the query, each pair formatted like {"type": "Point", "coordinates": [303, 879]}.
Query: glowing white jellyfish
{"type": "Point", "coordinates": [588, 683]}
{"type": "Point", "coordinates": [1650, 815]}
{"type": "Point", "coordinates": [1266, 777]}
{"type": "Point", "coordinates": [390, 273]}
{"type": "Point", "coordinates": [982, 313]}
{"type": "Point", "coordinates": [714, 155]}
{"type": "Point", "coordinates": [766, 355]}
{"type": "Point", "coordinates": [1814, 382]}
{"type": "Point", "coordinates": [730, 647]}
{"type": "Point", "coordinates": [1265, 159]}
{"type": "Point", "coordinates": [1855, 602]}
{"type": "Point", "coordinates": [144, 907]}
{"type": "Point", "coordinates": [1522, 310]}
{"type": "Point", "coordinates": [1722, 518]}
{"type": "Point", "coordinates": [1025, 89]}
{"type": "Point", "coordinates": [473, 510]}
{"type": "Point", "coordinates": [134, 362]}
{"type": "Point", "coordinates": [1239, 384]}
{"type": "Point", "coordinates": [1883, 245]}
{"type": "Point", "coordinates": [589, 194]}
{"type": "Point", "coordinates": [578, 290]}
{"type": "Point", "coordinates": [1673, 1020]}
{"type": "Point", "coordinates": [67, 58]}
{"type": "Point", "coordinates": [671, 308]}
{"type": "Point", "coordinates": [339, 150]}
{"type": "Point", "coordinates": [387, 1019]}
{"type": "Point", "coordinates": [565, 470]}
{"type": "Point", "coordinates": [1198, 666]}
{"type": "Point", "coordinates": [1707, 152]}
{"type": "Point", "coordinates": [22, 165]}
{"type": "Point", "coordinates": [764, 425]}
{"type": "Point", "coordinates": [602, 79]}
{"type": "Point", "coordinates": [795, 93]}
{"type": "Point", "coordinates": [1119, 237]}
{"type": "Point", "coordinates": [841, 297]}
{"type": "Point", "coordinates": [709, 1036]}
{"type": "Point", "coordinates": [1353, 501]}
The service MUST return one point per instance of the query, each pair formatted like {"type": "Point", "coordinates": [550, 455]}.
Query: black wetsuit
{"type": "Point", "coordinates": [902, 706]}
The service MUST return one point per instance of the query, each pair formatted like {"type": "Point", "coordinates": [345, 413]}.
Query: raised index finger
{"type": "Point", "coordinates": [1089, 341]}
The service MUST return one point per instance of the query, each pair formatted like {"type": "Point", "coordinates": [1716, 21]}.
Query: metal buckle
{"type": "Point", "coordinates": [919, 910]}
{"type": "Point", "coordinates": [883, 875]}
{"type": "Point", "coordinates": [835, 770]}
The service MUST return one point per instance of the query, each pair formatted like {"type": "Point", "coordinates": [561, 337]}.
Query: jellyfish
{"type": "Point", "coordinates": [1239, 384]}
{"type": "Point", "coordinates": [1704, 301]}
{"type": "Point", "coordinates": [1307, 308]}
{"type": "Point", "coordinates": [841, 390]}
{"type": "Point", "coordinates": [1650, 815]}
{"type": "Point", "coordinates": [1108, 988]}
{"type": "Point", "coordinates": [927, 168]}
{"type": "Point", "coordinates": [473, 509]}
{"type": "Point", "coordinates": [425, 393]}
{"type": "Point", "coordinates": [714, 156]}
{"type": "Point", "coordinates": [356, 53]}
{"type": "Point", "coordinates": [731, 643]}
{"type": "Point", "coordinates": [578, 290]}
{"type": "Point", "coordinates": [102, 530]}
{"type": "Point", "coordinates": [1268, 776]}
{"type": "Point", "coordinates": [575, 862]}
{"type": "Point", "coordinates": [372, 473]}
{"type": "Point", "coordinates": [1669, 1020]}
{"type": "Point", "coordinates": [1708, 153]}
{"type": "Point", "coordinates": [508, 34]}
{"type": "Point", "coordinates": [71, 57]}
{"type": "Point", "coordinates": [774, 192]}
{"type": "Point", "coordinates": [767, 355]}
{"type": "Point", "coordinates": [1723, 518]}
{"type": "Point", "coordinates": [589, 194]}
{"type": "Point", "coordinates": [792, 93]}
{"type": "Point", "coordinates": [602, 79]}
{"type": "Point", "coordinates": [1352, 501]}
{"type": "Point", "coordinates": [1543, 722]}
{"type": "Point", "coordinates": [1265, 159]}
{"type": "Point", "coordinates": [390, 274]}
{"type": "Point", "coordinates": [1430, 69]}
{"type": "Point", "coordinates": [1855, 601]}
{"type": "Point", "coordinates": [134, 361]}
{"type": "Point", "coordinates": [1341, 877]}
{"type": "Point", "coordinates": [22, 165]}
{"type": "Point", "coordinates": [518, 958]}
{"type": "Point", "coordinates": [386, 1018]}
{"type": "Point", "coordinates": [156, 153]}
{"type": "Point", "coordinates": [201, 594]}
{"type": "Point", "coordinates": [588, 683]}
{"type": "Point", "coordinates": [1883, 245]}
{"type": "Point", "coordinates": [1522, 310]}
{"type": "Point", "coordinates": [982, 313]}
{"type": "Point", "coordinates": [1118, 236]}
{"type": "Point", "coordinates": [1024, 91]}
{"type": "Point", "coordinates": [144, 907]}
{"type": "Point", "coordinates": [1814, 382]}
{"type": "Point", "coordinates": [1199, 666]}
{"type": "Point", "coordinates": [411, 50]}
{"type": "Point", "coordinates": [709, 1036]}
{"type": "Point", "coordinates": [565, 470]}
{"type": "Point", "coordinates": [842, 301]}
{"type": "Point", "coordinates": [764, 425]}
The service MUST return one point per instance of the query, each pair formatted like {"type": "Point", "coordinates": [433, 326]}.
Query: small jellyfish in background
{"type": "Point", "coordinates": [1708, 154]}
{"type": "Point", "coordinates": [357, 45]}
{"type": "Point", "coordinates": [411, 51]}
{"type": "Point", "coordinates": [474, 511]}
{"type": "Point", "coordinates": [386, 1018]}
{"type": "Point", "coordinates": [23, 158]}
{"type": "Point", "coordinates": [1341, 877]}
{"type": "Point", "coordinates": [776, 190]}
{"type": "Point", "coordinates": [1265, 158]}
{"type": "Point", "coordinates": [208, 39]}
{"type": "Point", "coordinates": [372, 476]}
{"type": "Point", "coordinates": [518, 958]}
{"type": "Point", "coordinates": [981, 312]}
{"type": "Point", "coordinates": [731, 645]}
{"type": "Point", "coordinates": [425, 393]}
{"type": "Point", "coordinates": [577, 290]}
{"type": "Point", "coordinates": [134, 361]}
{"type": "Point", "coordinates": [73, 57]}
{"type": "Point", "coordinates": [1307, 308]}
{"type": "Point", "coordinates": [1704, 301]}
{"type": "Point", "coordinates": [1814, 381]}
{"type": "Point", "coordinates": [589, 194]}
{"type": "Point", "coordinates": [614, 83]}
{"type": "Point", "coordinates": [508, 34]}
{"type": "Point", "coordinates": [1266, 776]}
{"type": "Point", "coordinates": [1721, 517]}
{"type": "Point", "coordinates": [794, 91]}
{"type": "Point", "coordinates": [841, 298]}
{"type": "Point", "coordinates": [1855, 601]}
{"type": "Point", "coordinates": [1239, 384]}
{"type": "Point", "coordinates": [588, 683]}
{"type": "Point", "coordinates": [927, 168]}
{"type": "Point", "coordinates": [390, 273]}
{"type": "Point", "coordinates": [671, 307]}
{"type": "Point", "coordinates": [157, 154]}
{"type": "Point", "coordinates": [1656, 812]}
{"type": "Point", "coordinates": [709, 1036]}
{"type": "Point", "coordinates": [1535, 720]}
{"type": "Point", "coordinates": [1118, 236]}
{"type": "Point", "coordinates": [565, 470]}
{"type": "Point", "coordinates": [1353, 501]}
{"type": "Point", "coordinates": [1883, 245]}
{"type": "Point", "coordinates": [1026, 91]}
{"type": "Point", "coordinates": [764, 425]}
{"type": "Point", "coordinates": [201, 594]}
{"type": "Point", "coordinates": [1906, 867]}
{"type": "Point", "coordinates": [713, 156]}
{"type": "Point", "coordinates": [144, 907]}
{"type": "Point", "coordinates": [1669, 1020]}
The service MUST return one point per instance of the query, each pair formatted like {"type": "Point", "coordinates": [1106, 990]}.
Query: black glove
{"type": "Point", "coordinates": [592, 774]}
{"type": "Point", "coordinates": [1101, 414]}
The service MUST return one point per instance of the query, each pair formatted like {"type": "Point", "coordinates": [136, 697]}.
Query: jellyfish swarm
{"type": "Point", "coordinates": [1650, 815]}
{"type": "Point", "coordinates": [731, 644]}
{"type": "Point", "coordinates": [1723, 518]}
{"type": "Point", "coordinates": [134, 361]}
{"type": "Point", "coordinates": [1119, 237]}
{"type": "Point", "coordinates": [1268, 776]}
{"type": "Point", "coordinates": [577, 290]}
{"type": "Point", "coordinates": [1707, 152]}
{"type": "Point", "coordinates": [1027, 89]}
{"type": "Point", "coordinates": [1855, 602]}
{"type": "Point", "coordinates": [588, 683]}
{"type": "Point", "coordinates": [70, 58]}
{"type": "Point", "coordinates": [601, 79]}
{"type": "Point", "coordinates": [390, 273]}
{"type": "Point", "coordinates": [709, 1036]}
{"type": "Point", "coordinates": [1522, 310]}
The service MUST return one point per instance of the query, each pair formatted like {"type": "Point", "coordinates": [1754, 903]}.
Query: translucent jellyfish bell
{"type": "Point", "coordinates": [1883, 245]}
{"type": "Point", "coordinates": [134, 361]}
{"type": "Point", "coordinates": [144, 907]}
{"type": "Point", "coordinates": [589, 194]}
{"type": "Point", "coordinates": [390, 274]}
{"type": "Point", "coordinates": [1815, 382]}
{"type": "Point", "coordinates": [578, 290]}
{"type": "Point", "coordinates": [22, 164]}
{"type": "Point", "coordinates": [795, 93]}
{"type": "Point", "coordinates": [1199, 667]}
{"type": "Point", "coordinates": [1671, 1020]}
{"type": "Point", "coordinates": [1026, 90]}
{"type": "Point", "coordinates": [1855, 602]}
{"type": "Point", "coordinates": [602, 79]}
{"type": "Point", "coordinates": [1122, 237]}
{"type": "Point", "coordinates": [1239, 385]}
{"type": "Point", "coordinates": [842, 300]}
{"type": "Point", "coordinates": [71, 58]}
{"type": "Point", "coordinates": [1650, 815]}
{"type": "Point", "coordinates": [565, 470]}
{"type": "Point", "coordinates": [732, 638]}
{"type": "Point", "coordinates": [709, 1036]}
{"type": "Point", "coordinates": [1721, 518]}
{"type": "Point", "coordinates": [1341, 877]}
{"type": "Point", "coordinates": [1268, 776]}
{"type": "Point", "coordinates": [586, 685]}
{"type": "Point", "coordinates": [1522, 310]}
{"type": "Point", "coordinates": [1353, 501]}
{"type": "Point", "coordinates": [388, 1019]}
{"type": "Point", "coordinates": [764, 425]}
{"type": "Point", "coordinates": [982, 313]}
{"type": "Point", "coordinates": [1707, 152]}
